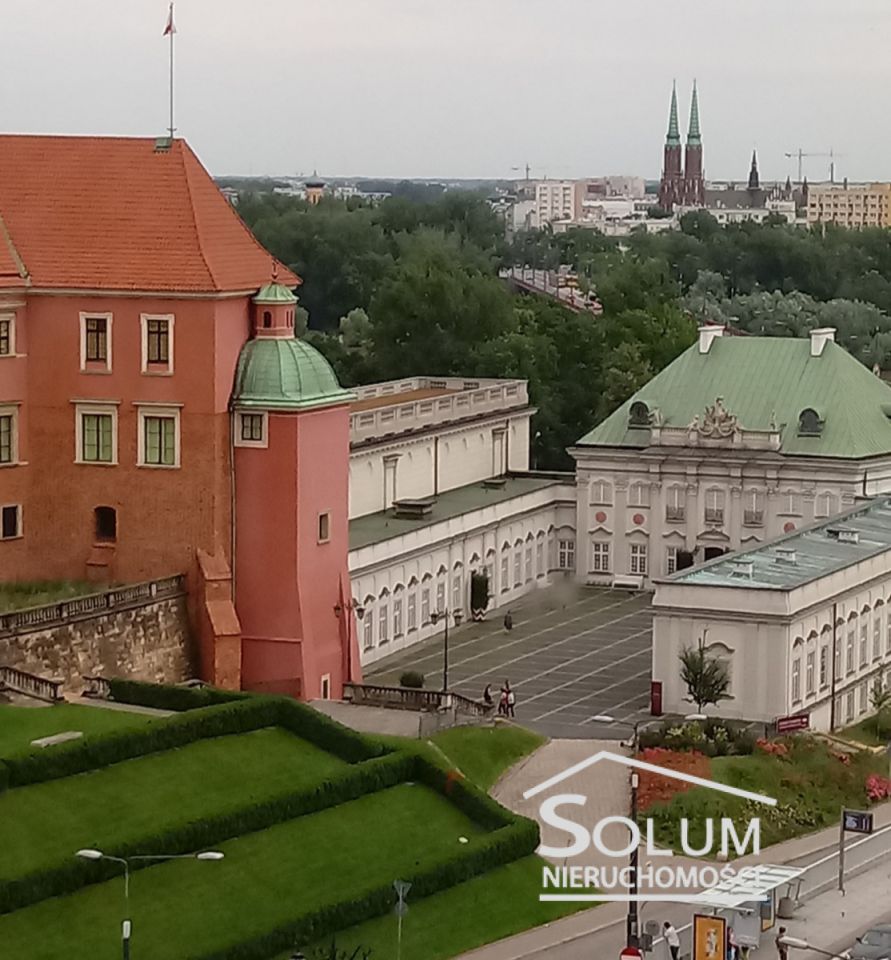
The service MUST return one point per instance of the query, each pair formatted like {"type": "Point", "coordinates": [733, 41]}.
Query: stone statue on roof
{"type": "Point", "coordinates": [718, 422]}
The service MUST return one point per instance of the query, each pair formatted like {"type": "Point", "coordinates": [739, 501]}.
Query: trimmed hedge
{"type": "Point", "coordinates": [517, 837]}
{"type": "Point", "coordinates": [162, 696]}
{"type": "Point", "coordinates": [230, 717]}
{"type": "Point", "coordinates": [68, 877]}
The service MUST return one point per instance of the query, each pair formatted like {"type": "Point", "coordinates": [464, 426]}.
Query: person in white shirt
{"type": "Point", "coordinates": [672, 939]}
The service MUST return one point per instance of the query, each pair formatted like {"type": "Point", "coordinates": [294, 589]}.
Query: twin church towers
{"type": "Point", "coordinates": [682, 186]}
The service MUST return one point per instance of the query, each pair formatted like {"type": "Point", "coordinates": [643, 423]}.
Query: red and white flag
{"type": "Point", "coordinates": [170, 29]}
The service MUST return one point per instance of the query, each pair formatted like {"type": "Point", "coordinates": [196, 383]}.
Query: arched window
{"type": "Point", "coordinates": [809, 423]}
{"type": "Point", "coordinates": [106, 520]}
{"type": "Point", "coordinates": [267, 318]}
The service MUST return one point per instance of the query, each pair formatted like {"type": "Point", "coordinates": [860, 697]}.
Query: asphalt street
{"type": "Point", "coordinates": [573, 653]}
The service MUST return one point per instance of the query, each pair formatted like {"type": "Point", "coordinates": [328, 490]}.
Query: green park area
{"type": "Point", "coordinates": [17, 596]}
{"type": "Point", "coordinates": [315, 822]}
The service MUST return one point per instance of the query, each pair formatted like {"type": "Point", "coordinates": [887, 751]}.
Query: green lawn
{"type": "Point", "coordinates": [188, 908]}
{"type": "Point", "coordinates": [499, 904]}
{"type": "Point", "coordinates": [482, 754]}
{"type": "Point", "coordinates": [44, 823]}
{"type": "Point", "coordinates": [20, 725]}
{"type": "Point", "coordinates": [16, 596]}
{"type": "Point", "coordinates": [865, 733]}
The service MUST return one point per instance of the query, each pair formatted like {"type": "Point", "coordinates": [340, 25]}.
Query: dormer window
{"type": "Point", "coordinates": [809, 423]}
{"type": "Point", "coordinates": [639, 414]}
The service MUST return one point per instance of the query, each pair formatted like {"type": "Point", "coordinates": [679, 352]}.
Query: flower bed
{"type": "Point", "coordinates": [654, 788]}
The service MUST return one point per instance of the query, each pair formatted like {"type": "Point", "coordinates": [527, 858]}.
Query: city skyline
{"type": "Point", "coordinates": [483, 93]}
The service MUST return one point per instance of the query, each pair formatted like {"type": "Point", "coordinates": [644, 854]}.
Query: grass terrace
{"type": "Point", "coordinates": [17, 596]}
{"type": "Point", "coordinates": [315, 822]}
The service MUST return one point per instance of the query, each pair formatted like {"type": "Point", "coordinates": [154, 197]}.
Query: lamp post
{"type": "Point", "coordinates": [435, 617]}
{"type": "Point", "coordinates": [796, 943]}
{"type": "Point", "coordinates": [632, 922]}
{"type": "Point", "coordinates": [359, 609]}
{"type": "Point", "coordinates": [126, 925]}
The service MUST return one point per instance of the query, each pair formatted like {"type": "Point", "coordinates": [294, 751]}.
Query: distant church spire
{"type": "Point", "coordinates": [674, 133]}
{"type": "Point", "coordinates": [754, 179]}
{"type": "Point", "coordinates": [694, 138]}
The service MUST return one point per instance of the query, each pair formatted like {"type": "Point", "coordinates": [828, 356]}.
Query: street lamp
{"type": "Point", "coordinates": [796, 943]}
{"type": "Point", "coordinates": [126, 926]}
{"type": "Point", "coordinates": [632, 919]}
{"type": "Point", "coordinates": [435, 617]}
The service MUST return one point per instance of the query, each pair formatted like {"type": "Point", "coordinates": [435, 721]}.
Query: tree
{"type": "Point", "coordinates": [880, 700]}
{"type": "Point", "coordinates": [706, 677]}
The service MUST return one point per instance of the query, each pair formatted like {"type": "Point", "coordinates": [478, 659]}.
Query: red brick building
{"type": "Point", "coordinates": [127, 288]}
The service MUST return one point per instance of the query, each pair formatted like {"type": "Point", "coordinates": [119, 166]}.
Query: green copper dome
{"type": "Point", "coordinates": [275, 292]}
{"type": "Point", "coordinates": [285, 374]}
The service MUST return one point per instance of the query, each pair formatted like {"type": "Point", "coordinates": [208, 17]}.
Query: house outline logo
{"type": "Point", "coordinates": [650, 768]}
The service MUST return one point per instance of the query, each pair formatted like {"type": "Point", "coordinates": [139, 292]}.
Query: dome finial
{"type": "Point", "coordinates": [274, 270]}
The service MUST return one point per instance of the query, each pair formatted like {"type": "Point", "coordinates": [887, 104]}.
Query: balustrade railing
{"type": "Point", "coordinates": [29, 684]}
{"type": "Point", "coordinates": [411, 698]}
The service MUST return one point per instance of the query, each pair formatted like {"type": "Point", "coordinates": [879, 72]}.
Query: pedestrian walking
{"type": "Point", "coordinates": [732, 951]}
{"type": "Point", "coordinates": [782, 949]}
{"type": "Point", "coordinates": [508, 622]}
{"type": "Point", "coordinates": [487, 695]}
{"type": "Point", "coordinates": [502, 703]}
{"type": "Point", "coordinates": [511, 700]}
{"type": "Point", "coordinates": [672, 939]}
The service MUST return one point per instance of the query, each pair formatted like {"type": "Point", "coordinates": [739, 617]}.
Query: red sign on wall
{"type": "Point", "coordinates": [800, 721]}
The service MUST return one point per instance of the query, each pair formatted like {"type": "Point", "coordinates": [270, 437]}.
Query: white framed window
{"type": "Point", "coordinates": [251, 429]}
{"type": "Point", "coordinates": [530, 574]}
{"type": "Point", "coordinates": [796, 680]}
{"type": "Point", "coordinates": [849, 652]}
{"type": "Point", "coordinates": [838, 658]}
{"type": "Point", "coordinates": [639, 494]}
{"type": "Point", "coordinates": [864, 697]}
{"type": "Point", "coordinates": [9, 436]}
{"type": "Point", "coordinates": [7, 335]}
{"type": "Point", "coordinates": [457, 592]}
{"type": "Point", "coordinates": [826, 505]}
{"type": "Point", "coordinates": [600, 560]}
{"type": "Point", "coordinates": [10, 521]}
{"type": "Point", "coordinates": [368, 631]}
{"type": "Point", "coordinates": [505, 572]}
{"type": "Point", "coordinates": [671, 559]}
{"type": "Point", "coordinates": [383, 624]}
{"type": "Point", "coordinates": [714, 505]}
{"type": "Point", "coordinates": [425, 606]}
{"type": "Point", "coordinates": [440, 595]}
{"type": "Point", "coordinates": [601, 492]}
{"type": "Point", "coordinates": [95, 342]}
{"type": "Point", "coordinates": [753, 508]}
{"type": "Point", "coordinates": [96, 433]}
{"type": "Point", "coordinates": [412, 611]}
{"type": "Point", "coordinates": [824, 666]}
{"type": "Point", "coordinates": [864, 641]}
{"type": "Point", "coordinates": [888, 630]}
{"type": "Point", "coordinates": [810, 679]}
{"type": "Point", "coordinates": [566, 554]}
{"type": "Point", "coordinates": [849, 706]}
{"type": "Point", "coordinates": [158, 437]}
{"type": "Point", "coordinates": [157, 344]}
{"type": "Point", "coordinates": [675, 504]}
{"type": "Point", "coordinates": [877, 636]}
{"type": "Point", "coordinates": [638, 559]}
{"type": "Point", "coordinates": [397, 618]}
{"type": "Point", "coordinates": [790, 503]}
{"type": "Point", "coordinates": [518, 566]}
{"type": "Point", "coordinates": [391, 464]}
{"type": "Point", "coordinates": [539, 559]}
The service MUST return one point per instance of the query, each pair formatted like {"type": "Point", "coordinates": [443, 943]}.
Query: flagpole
{"type": "Point", "coordinates": [172, 32]}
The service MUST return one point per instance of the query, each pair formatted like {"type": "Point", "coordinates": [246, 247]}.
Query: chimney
{"type": "Point", "coordinates": [707, 334]}
{"type": "Point", "coordinates": [819, 339]}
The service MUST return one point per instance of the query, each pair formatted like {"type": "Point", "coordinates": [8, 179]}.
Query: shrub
{"type": "Point", "coordinates": [170, 697]}
{"type": "Point", "coordinates": [411, 678]}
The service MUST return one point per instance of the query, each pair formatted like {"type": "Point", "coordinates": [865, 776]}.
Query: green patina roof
{"type": "Point", "coordinates": [674, 133]}
{"type": "Point", "coordinates": [761, 376]}
{"type": "Point", "coordinates": [693, 135]}
{"type": "Point", "coordinates": [285, 374]}
{"type": "Point", "coordinates": [275, 292]}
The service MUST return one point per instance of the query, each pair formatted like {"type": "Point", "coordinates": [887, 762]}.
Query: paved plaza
{"type": "Point", "coordinates": [573, 653]}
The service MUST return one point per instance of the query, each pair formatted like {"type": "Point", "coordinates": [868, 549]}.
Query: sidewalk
{"type": "Point", "coordinates": [825, 920]}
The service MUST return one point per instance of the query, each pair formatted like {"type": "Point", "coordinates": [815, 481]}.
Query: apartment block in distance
{"type": "Point", "coordinates": [850, 205]}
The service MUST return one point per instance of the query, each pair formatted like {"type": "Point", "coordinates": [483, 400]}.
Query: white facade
{"type": "Point", "coordinates": [523, 543]}
{"type": "Point", "coordinates": [448, 441]}
{"type": "Point", "coordinates": [557, 200]}
{"type": "Point", "coordinates": [790, 648]}
{"type": "Point", "coordinates": [706, 488]}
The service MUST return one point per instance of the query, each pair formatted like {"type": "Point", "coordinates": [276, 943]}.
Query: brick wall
{"type": "Point", "coordinates": [148, 641]}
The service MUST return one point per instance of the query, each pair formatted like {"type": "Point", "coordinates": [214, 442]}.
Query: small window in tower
{"type": "Point", "coordinates": [106, 524]}
{"type": "Point", "coordinates": [250, 430]}
{"type": "Point", "coordinates": [267, 318]}
{"type": "Point", "coordinates": [324, 528]}
{"type": "Point", "coordinates": [326, 686]}
{"type": "Point", "coordinates": [10, 522]}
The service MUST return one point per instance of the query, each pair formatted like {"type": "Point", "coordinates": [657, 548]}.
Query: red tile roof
{"type": "Point", "coordinates": [113, 213]}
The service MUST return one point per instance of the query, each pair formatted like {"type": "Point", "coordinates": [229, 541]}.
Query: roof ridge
{"type": "Point", "coordinates": [13, 252]}
{"type": "Point", "coordinates": [181, 153]}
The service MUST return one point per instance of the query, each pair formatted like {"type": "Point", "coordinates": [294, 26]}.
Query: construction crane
{"type": "Point", "coordinates": [801, 154]}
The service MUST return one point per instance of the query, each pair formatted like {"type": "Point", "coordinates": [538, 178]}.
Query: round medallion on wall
{"type": "Point", "coordinates": [600, 516]}
{"type": "Point", "coordinates": [638, 518]}
{"type": "Point", "coordinates": [788, 527]}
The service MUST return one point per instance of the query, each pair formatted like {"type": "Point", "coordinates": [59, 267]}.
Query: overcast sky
{"type": "Point", "coordinates": [461, 88]}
